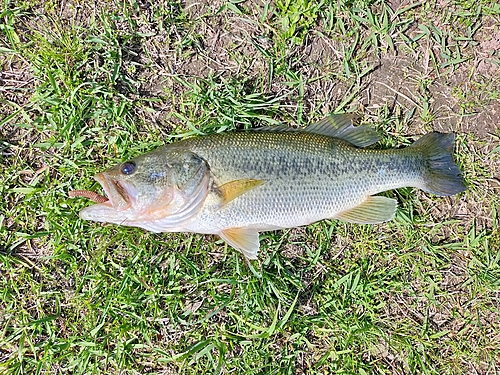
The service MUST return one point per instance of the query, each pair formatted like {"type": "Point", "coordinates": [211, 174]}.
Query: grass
{"type": "Point", "coordinates": [85, 87]}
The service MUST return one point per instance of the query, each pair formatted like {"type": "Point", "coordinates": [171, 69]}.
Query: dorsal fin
{"type": "Point", "coordinates": [275, 129]}
{"type": "Point", "coordinates": [340, 126]}
{"type": "Point", "coordinates": [336, 125]}
{"type": "Point", "coordinates": [332, 125]}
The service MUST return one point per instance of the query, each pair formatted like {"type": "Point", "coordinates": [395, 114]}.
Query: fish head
{"type": "Point", "coordinates": [156, 191]}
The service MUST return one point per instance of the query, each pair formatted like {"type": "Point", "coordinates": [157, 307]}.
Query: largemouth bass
{"type": "Point", "coordinates": [241, 183]}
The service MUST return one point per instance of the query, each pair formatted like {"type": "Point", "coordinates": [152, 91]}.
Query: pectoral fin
{"type": "Point", "coordinates": [244, 239]}
{"type": "Point", "coordinates": [234, 189]}
{"type": "Point", "coordinates": [375, 209]}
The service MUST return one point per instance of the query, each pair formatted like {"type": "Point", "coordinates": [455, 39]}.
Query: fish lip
{"type": "Point", "coordinates": [118, 197]}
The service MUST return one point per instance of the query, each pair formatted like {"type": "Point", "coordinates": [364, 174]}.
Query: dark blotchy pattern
{"type": "Point", "coordinates": [307, 177]}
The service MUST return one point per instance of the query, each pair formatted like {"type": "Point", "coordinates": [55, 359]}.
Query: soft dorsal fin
{"type": "Point", "coordinates": [375, 209]}
{"type": "Point", "coordinates": [340, 126]}
{"type": "Point", "coordinates": [244, 239]}
{"type": "Point", "coordinates": [234, 189]}
{"type": "Point", "coordinates": [332, 125]}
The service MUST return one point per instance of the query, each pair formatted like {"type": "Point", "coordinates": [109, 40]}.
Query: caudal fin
{"type": "Point", "coordinates": [442, 176]}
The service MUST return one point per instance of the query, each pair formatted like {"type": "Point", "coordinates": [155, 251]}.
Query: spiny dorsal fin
{"type": "Point", "coordinates": [375, 209]}
{"type": "Point", "coordinates": [275, 129]}
{"type": "Point", "coordinates": [340, 126]}
{"type": "Point", "coordinates": [244, 239]}
{"type": "Point", "coordinates": [234, 189]}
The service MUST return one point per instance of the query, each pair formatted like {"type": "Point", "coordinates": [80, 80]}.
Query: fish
{"type": "Point", "coordinates": [240, 183]}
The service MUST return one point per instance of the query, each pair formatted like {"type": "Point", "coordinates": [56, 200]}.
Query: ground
{"type": "Point", "coordinates": [84, 86]}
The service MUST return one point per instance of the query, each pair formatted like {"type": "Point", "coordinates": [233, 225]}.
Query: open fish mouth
{"type": "Point", "coordinates": [116, 195]}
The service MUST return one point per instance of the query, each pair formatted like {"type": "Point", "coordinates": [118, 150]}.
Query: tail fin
{"type": "Point", "coordinates": [442, 176]}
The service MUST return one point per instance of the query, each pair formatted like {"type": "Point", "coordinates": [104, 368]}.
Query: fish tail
{"type": "Point", "coordinates": [441, 176]}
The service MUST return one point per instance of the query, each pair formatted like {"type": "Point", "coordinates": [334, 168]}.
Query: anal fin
{"type": "Point", "coordinates": [244, 239]}
{"type": "Point", "coordinates": [375, 209]}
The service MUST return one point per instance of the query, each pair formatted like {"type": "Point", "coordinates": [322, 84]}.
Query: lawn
{"type": "Point", "coordinates": [85, 85]}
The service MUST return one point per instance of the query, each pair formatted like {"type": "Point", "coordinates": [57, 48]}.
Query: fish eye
{"type": "Point", "coordinates": [128, 168]}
